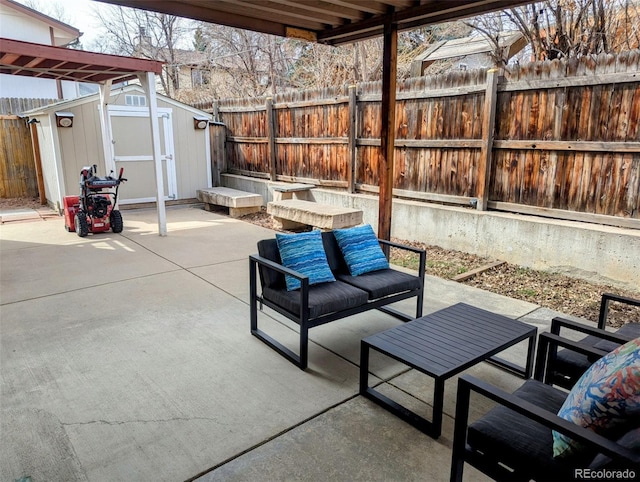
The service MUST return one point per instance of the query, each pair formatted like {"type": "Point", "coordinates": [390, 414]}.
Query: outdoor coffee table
{"type": "Point", "coordinates": [441, 345]}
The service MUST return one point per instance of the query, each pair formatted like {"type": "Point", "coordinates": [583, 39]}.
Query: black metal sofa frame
{"type": "Point", "coordinates": [312, 306]}
{"type": "Point", "coordinates": [513, 441]}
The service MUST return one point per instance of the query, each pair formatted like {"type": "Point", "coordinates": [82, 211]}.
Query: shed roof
{"type": "Point", "coordinates": [127, 89]}
{"type": "Point", "coordinates": [331, 22]}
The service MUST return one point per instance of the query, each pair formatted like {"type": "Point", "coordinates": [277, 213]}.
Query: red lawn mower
{"type": "Point", "coordinates": [93, 211]}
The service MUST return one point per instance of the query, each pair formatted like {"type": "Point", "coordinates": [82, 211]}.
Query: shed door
{"type": "Point", "coordinates": [132, 149]}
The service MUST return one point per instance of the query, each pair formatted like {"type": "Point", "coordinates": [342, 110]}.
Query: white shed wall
{"type": "Point", "coordinates": [46, 133]}
{"type": "Point", "coordinates": [81, 145]}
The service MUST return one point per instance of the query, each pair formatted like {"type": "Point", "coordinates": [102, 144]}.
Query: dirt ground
{"type": "Point", "coordinates": [560, 292]}
{"type": "Point", "coordinates": [20, 203]}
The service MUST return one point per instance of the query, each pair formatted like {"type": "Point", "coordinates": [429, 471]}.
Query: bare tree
{"type": "Point", "coordinates": [53, 9]}
{"type": "Point", "coordinates": [568, 28]}
{"type": "Point", "coordinates": [243, 63]}
{"type": "Point", "coordinates": [322, 66]}
{"type": "Point", "coordinates": [151, 35]}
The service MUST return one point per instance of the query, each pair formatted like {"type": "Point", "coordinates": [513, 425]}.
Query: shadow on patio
{"type": "Point", "coordinates": [129, 357]}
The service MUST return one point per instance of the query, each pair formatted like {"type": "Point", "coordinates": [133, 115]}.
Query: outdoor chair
{"type": "Point", "coordinates": [515, 441]}
{"type": "Point", "coordinates": [569, 365]}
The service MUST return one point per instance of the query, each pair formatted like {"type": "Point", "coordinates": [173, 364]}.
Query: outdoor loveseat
{"type": "Point", "coordinates": [312, 305]}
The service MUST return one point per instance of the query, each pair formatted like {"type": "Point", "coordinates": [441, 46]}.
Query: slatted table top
{"type": "Point", "coordinates": [451, 340]}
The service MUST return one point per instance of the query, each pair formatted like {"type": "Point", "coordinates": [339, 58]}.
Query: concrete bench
{"type": "Point", "coordinates": [238, 202]}
{"type": "Point", "coordinates": [290, 190]}
{"type": "Point", "coordinates": [292, 214]}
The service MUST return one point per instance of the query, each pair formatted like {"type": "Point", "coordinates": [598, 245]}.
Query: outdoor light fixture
{"type": "Point", "coordinates": [64, 119]}
{"type": "Point", "coordinates": [33, 120]}
{"type": "Point", "coordinates": [200, 122]}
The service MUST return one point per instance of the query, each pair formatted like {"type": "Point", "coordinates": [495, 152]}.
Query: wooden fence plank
{"type": "Point", "coordinates": [18, 177]}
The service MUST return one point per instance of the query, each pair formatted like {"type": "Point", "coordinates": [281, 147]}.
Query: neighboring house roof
{"type": "Point", "coordinates": [191, 57]}
{"type": "Point", "coordinates": [511, 42]}
{"type": "Point", "coordinates": [62, 34]}
{"type": "Point", "coordinates": [181, 57]}
{"type": "Point", "coordinates": [470, 48]}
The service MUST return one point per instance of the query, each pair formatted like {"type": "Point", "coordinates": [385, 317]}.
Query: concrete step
{"type": "Point", "coordinates": [296, 213]}
{"type": "Point", "coordinates": [238, 202]}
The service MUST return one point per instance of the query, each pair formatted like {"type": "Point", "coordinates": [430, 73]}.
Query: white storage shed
{"type": "Point", "coordinates": [69, 136]}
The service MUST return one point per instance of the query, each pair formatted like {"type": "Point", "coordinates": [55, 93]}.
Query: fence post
{"type": "Point", "coordinates": [35, 144]}
{"type": "Point", "coordinates": [352, 139]}
{"type": "Point", "coordinates": [271, 137]}
{"type": "Point", "coordinates": [215, 110]}
{"type": "Point", "coordinates": [488, 128]}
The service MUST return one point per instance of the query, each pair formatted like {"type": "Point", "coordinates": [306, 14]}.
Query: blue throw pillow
{"type": "Point", "coordinates": [361, 249]}
{"type": "Point", "coordinates": [304, 253]}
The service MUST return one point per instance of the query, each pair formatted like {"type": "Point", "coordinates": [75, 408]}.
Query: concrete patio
{"type": "Point", "coordinates": [129, 357]}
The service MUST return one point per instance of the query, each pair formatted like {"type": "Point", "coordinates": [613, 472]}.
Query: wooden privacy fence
{"type": "Point", "coordinates": [18, 105]}
{"type": "Point", "coordinates": [559, 139]}
{"type": "Point", "coordinates": [17, 167]}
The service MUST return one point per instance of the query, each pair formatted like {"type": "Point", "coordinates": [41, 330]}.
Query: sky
{"type": "Point", "coordinates": [78, 14]}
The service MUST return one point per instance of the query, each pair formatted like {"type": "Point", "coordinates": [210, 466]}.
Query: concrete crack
{"type": "Point", "coordinates": [124, 422]}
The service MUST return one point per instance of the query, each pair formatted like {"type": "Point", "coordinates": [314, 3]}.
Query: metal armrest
{"type": "Point", "coordinates": [558, 323]}
{"type": "Point", "coordinates": [277, 267]}
{"type": "Point", "coordinates": [421, 252]}
{"type": "Point", "coordinates": [401, 246]}
{"type": "Point", "coordinates": [604, 306]}
{"type": "Point", "coordinates": [300, 359]}
{"type": "Point", "coordinates": [547, 347]}
{"type": "Point", "coordinates": [467, 383]}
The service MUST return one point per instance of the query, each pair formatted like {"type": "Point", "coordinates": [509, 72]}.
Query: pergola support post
{"type": "Point", "coordinates": [148, 81]}
{"type": "Point", "coordinates": [105, 127]}
{"type": "Point", "coordinates": [387, 134]}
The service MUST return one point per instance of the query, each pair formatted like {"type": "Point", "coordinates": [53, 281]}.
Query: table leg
{"type": "Point", "coordinates": [438, 407]}
{"type": "Point", "coordinates": [432, 428]}
{"type": "Point", "coordinates": [364, 367]}
{"type": "Point", "coordinates": [530, 356]}
{"type": "Point", "coordinates": [522, 372]}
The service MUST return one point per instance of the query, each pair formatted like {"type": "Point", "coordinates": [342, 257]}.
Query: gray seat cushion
{"type": "Point", "coordinates": [520, 443]}
{"type": "Point", "coordinates": [334, 255]}
{"type": "Point", "coordinates": [630, 440]}
{"type": "Point", "coordinates": [630, 330]}
{"type": "Point", "coordinates": [324, 298]}
{"type": "Point", "coordinates": [268, 248]}
{"type": "Point", "coordinates": [574, 364]}
{"type": "Point", "coordinates": [382, 283]}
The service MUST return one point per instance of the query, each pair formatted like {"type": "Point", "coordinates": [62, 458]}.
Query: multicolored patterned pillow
{"type": "Point", "coordinates": [361, 249]}
{"type": "Point", "coordinates": [304, 253]}
{"type": "Point", "coordinates": [607, 395]}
